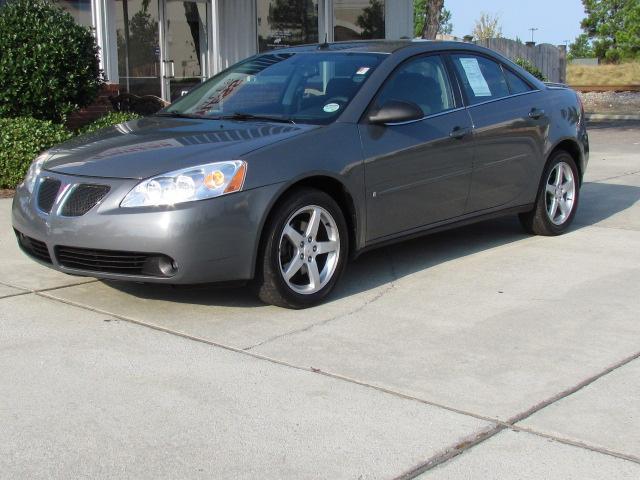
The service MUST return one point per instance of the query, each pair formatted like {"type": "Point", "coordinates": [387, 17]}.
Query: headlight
{"type": "Point", "coordinates": [189, 184]}
{"type": "Point", "coordinates": [34, 170]}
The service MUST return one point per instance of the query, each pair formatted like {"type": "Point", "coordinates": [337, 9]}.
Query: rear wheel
{"type": "Point", "coordinates": [304, 252]}
{"type": "Point", "coordinates": [557, 199]}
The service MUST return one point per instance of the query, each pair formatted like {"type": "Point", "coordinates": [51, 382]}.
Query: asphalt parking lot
{"type": "Point", "coordinates": [475, 353]}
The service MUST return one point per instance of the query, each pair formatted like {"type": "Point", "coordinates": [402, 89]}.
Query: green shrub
{"type": "Point", "coordinates": [531, 68]}
{"type": "Point", "coordinates": [48, 64]}
{"type": "Point", "coordinates": [21, 140]}
{"type": "Point", "coordinates": [111, 118]}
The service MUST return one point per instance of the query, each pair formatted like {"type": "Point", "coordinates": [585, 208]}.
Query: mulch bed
{"type": "Point", "coordinates": [7, 193]}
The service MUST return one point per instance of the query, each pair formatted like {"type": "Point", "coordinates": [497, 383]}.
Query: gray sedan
{"type": "Point", "coordinates": [282, 167]}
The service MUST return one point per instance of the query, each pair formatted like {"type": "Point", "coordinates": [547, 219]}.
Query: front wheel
{"type": "Point", "coordinates": [304, 252]}
{"type": "Point", "coordinates": [557, 200]}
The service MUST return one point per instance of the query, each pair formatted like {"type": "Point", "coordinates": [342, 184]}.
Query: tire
{"type": "Point", "coordinates": [313, 262]}
{"type": "Point", "coordinates": [556, 203]}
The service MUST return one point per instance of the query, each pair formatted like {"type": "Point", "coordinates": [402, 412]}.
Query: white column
{"type": "Point", "coordinates": [214, 38]}
{"type": "Point", "coordinates": [103, 18]}
{"type": "Point", "coordinates": [398, 19]}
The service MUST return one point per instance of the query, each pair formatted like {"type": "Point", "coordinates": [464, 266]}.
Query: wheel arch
{"type": "Point", "coordinates": [326, 183]}
{"type": "Point", "coordinates": [570, 146]}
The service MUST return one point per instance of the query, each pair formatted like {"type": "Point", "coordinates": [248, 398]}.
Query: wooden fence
{"type": "Point", "coordinates": [551, 60]}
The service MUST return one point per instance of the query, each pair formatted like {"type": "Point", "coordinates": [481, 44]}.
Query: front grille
{"type": "Point", "coordinates": [33, 247]}
{"type": "Point", "coordinates": [112, 261]}
{"type": "Point", "coordinates": [47, 193]}
{"type": "Point", "coordinates": [109, 261]}
{"type": "Point", "coordinates": [83, 198]}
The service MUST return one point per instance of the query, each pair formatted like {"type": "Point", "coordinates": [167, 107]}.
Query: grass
{"type": "Point", "coordinates": [587, 75]}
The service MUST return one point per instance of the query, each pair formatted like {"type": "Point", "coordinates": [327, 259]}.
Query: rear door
{"type": "Point", "coordinates": [510, 128]}
{"type": "Point", "coordinates": [418, 172]}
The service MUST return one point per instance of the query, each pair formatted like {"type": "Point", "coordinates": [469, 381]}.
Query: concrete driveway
{"type": "Point", "coordinates": [476, 353]}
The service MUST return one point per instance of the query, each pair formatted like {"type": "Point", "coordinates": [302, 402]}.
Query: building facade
{"type": "Point", "coordinates": [164, 47]}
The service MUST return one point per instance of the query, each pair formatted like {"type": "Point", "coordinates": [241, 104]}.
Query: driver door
{"type": "Point", "coordinates": [417, 173]}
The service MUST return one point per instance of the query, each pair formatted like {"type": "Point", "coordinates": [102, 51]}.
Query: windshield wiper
{"type": "Point", "coordinates": [180, 115]}
{"type": "Point", "coordinates": [250, 116]}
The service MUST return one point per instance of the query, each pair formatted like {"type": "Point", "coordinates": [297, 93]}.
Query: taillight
{"type": "Point", "coordinates": [581, 103]}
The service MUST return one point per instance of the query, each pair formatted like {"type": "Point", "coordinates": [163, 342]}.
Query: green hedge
{"type": "Point", "coordinates": [531, 68]}
{"type": "Point", "coordinates": [21, 140]}
{"type": "Point", "coordinates": [111, 118]}
{"type": "Point", "coordinates": [49, 64]}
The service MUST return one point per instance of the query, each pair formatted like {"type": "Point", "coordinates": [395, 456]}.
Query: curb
{"type": "Point", "coordinates": [597, 117]}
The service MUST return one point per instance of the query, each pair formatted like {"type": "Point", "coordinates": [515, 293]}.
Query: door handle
{"type": "Point", "coordinates": [536, 113]}
{"type": "Point", "coordinates": [459, 132]}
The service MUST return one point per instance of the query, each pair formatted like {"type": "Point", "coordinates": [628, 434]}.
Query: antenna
{"type": "Point", "coordinates": [326, 42]}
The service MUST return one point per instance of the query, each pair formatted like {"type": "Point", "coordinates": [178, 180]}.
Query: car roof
{"type": "Point", "coordinates": [379, 46]}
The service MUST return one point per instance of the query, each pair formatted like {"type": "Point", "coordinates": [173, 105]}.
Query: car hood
{"type": "Point", "coordinates": [154, 145]}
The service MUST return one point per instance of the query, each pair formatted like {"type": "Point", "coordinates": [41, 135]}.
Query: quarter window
{"type": "Point", "coordinates": [422, 81]}
{"type": "Point", "coordinates": [516, 84]}
{"type": "Point", "coordinates": [482, 79]}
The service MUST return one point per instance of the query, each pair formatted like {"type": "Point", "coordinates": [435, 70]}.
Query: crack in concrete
{"type": "Point", "coordinates": [602, 180]}
{"type": "Point", "coordinates": [390, 286]}
{"type": "Point", "coordinates": [576, 443]}
{"type": "Point", "coordinates": [448, 453]}
{"type": "Point", "coordinates": [11, 295]}
{"type": "Point", "coordinates": [460, 448]}
{"type": "Point", "coordinates": [48, 289]}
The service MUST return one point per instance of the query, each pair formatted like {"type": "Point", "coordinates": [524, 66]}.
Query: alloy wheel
{"type": "Point", "coordinates": [308, 250]}
{"type": "Point", "coordinates": [560, 193]}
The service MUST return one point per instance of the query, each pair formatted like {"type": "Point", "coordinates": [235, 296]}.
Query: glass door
{"type": "Point", "coordinates": [138, 46]}
{"type": "Point", "coordinates": [185, 54]}
{"type": "Point", "coordinates": [284, 23]}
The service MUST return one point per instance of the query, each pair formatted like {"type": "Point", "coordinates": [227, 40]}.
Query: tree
{"type": "Point", "coordinates": [614, 28]}
{"type": "Point", "coordinates": [372, 20]}
{"type": "Point", "coordinates": [446, 25]}
{"type": "Point", "coordinates": [581, 48]}
{"type": "Point", "coordinates": [487, 26]}
{"type": "Point", "coordinates": [431, 18]}
{"type": "Point", "coordinates": [531, 68]}
{"type": "Point", "coordinates": [285, 15]}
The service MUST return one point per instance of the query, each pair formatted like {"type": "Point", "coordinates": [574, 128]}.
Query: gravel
{"type": "Point", "coordinates": [624, 103]}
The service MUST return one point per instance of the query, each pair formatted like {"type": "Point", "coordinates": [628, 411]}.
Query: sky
{"type": "Point", "coordinates": [556, 20]}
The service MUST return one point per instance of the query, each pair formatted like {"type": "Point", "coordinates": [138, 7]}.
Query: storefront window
{"type": "Point", "coordinates": [283, 23]}
{"type": "Point", "coordinates": [138, 46]}
{"type": "Point", "coordinates": [80, 10]}
{"type": "Point", "coordinates": [358, 19]}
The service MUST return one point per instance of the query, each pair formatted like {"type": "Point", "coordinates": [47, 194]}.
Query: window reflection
{"type": "Point", "coordinates": [283, 23]}
{"type": "Point", "coordinates": [138, 46]}
{"type": "Point", "coordinates": [80, 10]}
{"type": "Point", "coordinates": [358, 19]}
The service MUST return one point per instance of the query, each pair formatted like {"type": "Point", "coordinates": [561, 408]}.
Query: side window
{"type": "Point", "coordinates": [482, 79]}
{"type": "Point", "coordinates": [422, 81]}
{"type": "Point", "coordinates": [516, 84]}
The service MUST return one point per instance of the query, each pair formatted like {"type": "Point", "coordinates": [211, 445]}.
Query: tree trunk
{"type": "Point", "coordinates": [433, 10]}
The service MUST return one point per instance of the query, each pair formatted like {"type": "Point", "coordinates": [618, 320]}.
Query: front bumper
{"type": "Point", "coordinates": [209, 241]}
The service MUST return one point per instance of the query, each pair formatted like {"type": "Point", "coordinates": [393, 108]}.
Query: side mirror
{"type": "Point", "coordinates": [395, 111]}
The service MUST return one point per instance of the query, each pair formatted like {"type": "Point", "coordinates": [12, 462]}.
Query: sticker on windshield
{"type": "Point", "coordinates": [362, 70]}
{"type": "Point", "coordinates": [477, 82]}
{"type": "Point", "coordinates": [331, 107]}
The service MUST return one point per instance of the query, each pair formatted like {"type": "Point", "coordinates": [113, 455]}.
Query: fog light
{"type": "Point", "coordinates": [160, 266]}
{"type": "Point", "coordinates": [167, 266]}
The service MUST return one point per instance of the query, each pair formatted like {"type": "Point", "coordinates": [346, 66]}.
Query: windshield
{"type": "Point", "coordinates": [299, 87]}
